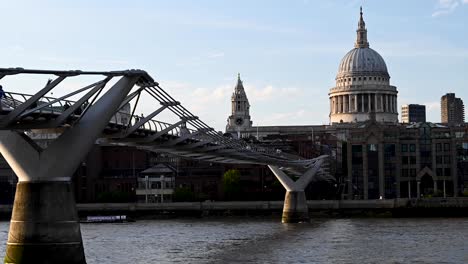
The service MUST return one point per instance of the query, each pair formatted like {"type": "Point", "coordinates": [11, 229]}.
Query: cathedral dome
{"type": "Point", "coordinates": [362, 61]}
{"type": "Point", "coordinates": [363, 91]}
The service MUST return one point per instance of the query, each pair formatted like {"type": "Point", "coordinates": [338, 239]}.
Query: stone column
{"type": "Point", "coordinates": [340, 104]}
{"type": "Point", "coordinates": [356, 103]}
{"type": "Point", "coordinates": [345, 103]}
{"type": "Point", "coordinates": [390, 100]}
{"type": "Point", "coordinates": [369, 104]}
{"type": "Point", "coordinates": [393, 103]}
{"type": "Point", "coordinates": [362, 103]}
{"type": "Point", "coordinates": [387, 107]}
{"type": "Point", "coordinates": [365, 171]}
{"type": "Point", "coordinates": [350, 103]}
{"type": "Point", "coordinates": [396, 104]}
{"type": "Point", "coordinates": [335, 104]}
{"type": "Point", "coordinates": [376, 104]}
{"type": "Point", "coordinates": [382, 102]}
{"type": "Point", "coordinates": [343, 99]}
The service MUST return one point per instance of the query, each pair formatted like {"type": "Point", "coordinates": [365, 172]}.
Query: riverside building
{"type": "Point", "coordinates": [413, 113]}
{"type": "Point", "coordinates": [452, 109]}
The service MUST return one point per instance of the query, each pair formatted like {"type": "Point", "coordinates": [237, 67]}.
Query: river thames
{"type": "Point", "coordinates": [252, 240]}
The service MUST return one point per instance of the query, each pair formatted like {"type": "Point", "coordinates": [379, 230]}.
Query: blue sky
{"type": "Point", "coordinates": [287, 52]}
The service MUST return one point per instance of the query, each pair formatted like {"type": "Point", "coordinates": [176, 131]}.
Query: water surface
{"type": "Point", "coordinates": [250, 240]}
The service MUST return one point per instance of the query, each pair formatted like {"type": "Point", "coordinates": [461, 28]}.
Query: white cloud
{"type": "Point", "coordinates": [270, 93]}
{"type": "Point", "coordinates": [216, 54]}
{"type": "Point", "coordinates": [432, 106]}
{"type": "Point", "coordinates": [213, 104]}
{"type": "Point", "coordinates": [432, 111]}
{"type": "Point", "coordinates": [202, 59]}
{"type": "Point", "coordinates": [420, 48]}
{"type": "Point", "coordinates": [445, 7]}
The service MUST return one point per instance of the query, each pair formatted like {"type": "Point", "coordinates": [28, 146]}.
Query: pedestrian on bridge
{"type": "Point", "coordinates": [2, 94]}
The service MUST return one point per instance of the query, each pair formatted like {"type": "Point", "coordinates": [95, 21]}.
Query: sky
{"type": "Point", "coordinates": [287, 52]}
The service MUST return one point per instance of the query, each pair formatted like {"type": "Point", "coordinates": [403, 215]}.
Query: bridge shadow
{"type": "Point", "coordinates": [273, 247]}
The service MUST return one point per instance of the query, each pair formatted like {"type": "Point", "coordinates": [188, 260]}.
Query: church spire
{"type": "Point", "coordinates": [361, 40]}
{"type": "Point", "coordinates": [239, 87]}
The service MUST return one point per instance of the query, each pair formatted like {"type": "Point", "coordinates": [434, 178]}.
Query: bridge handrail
{"type": "Point", "coordinates": [238, 150]}
{"type": "Point", "coordinates": [10, 100]}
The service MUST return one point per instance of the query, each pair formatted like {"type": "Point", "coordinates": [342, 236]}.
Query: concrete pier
{"type": "Point", "coordinates": [295, 209]}
{"type": "Point", "coordinates": [44, 226]}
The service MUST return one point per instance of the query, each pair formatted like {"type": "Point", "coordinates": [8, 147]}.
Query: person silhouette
{"type": "Point", "coordinates": [2, 94]}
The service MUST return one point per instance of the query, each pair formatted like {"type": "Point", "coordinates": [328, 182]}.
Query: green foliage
{"type": "Point", "coordinates": [184, 194]}
{"type": "Point", "coordinates": [231, 184]}
{"type": "Point", "coordinates": [465, 193]}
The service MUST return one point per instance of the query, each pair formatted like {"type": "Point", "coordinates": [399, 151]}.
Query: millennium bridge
{"type": "Point", "coordinates": [44, 226]}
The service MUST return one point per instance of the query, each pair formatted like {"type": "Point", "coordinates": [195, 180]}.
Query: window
{"type": "Point", "coordinates": [438, 147]}
{"type": "Point", "coordinates": [447, 172]}
{"type": "Point", "coordinates": [389, 150]}
{"type": "Point", "coordinates": [354, 78]}
{"type": "Point", "coordinates": [412, 147]}
{"type": "Point", "coordinates": [404, 148]}
{"type": "Point", "coordinates": [447, 159]}
{"type": "Point", "coordinates": [365, 78]}
{"type": "Point", "coordinates": [439, 172]}
{"type": "Point", "coordinates": [404, 159]}
{"type": "Point", "coordinates": [375, 78]}
{"type": "Point", "coordinates": [439, 159]}
{"type": "Point", "coordinates": [412, 172]}
{"type": "Point", "coordinates": [404, 173]}
{"type": "Point", "coordinates": [446, 146]}
{"type": "Point", "coordinates": [412, 159]}
{"type": "Point", "coordinates": [372, 147]}
{"type": "Point", "coordinates": [356, 148]}
{"type": "Point", "coordinates": [359, 78]}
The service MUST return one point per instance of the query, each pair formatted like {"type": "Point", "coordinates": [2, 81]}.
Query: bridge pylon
{"type": "Point", "coordinates": [295, 209]}
{"type": "Point", "coordinates": [44, 226]}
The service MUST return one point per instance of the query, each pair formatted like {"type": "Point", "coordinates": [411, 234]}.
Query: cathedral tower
{"type": "Point", "coordinates": [239, 120]}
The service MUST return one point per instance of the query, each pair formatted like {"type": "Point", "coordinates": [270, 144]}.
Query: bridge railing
{"type": "Point", "coordinates": [28, 112]}
{"type": "Point", "coordinates": [53, 106]}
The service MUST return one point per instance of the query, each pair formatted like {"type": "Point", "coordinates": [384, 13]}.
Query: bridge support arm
{"type": "Point", "coordinates": [44, 225]}
{"type": "Point", "coordinates": [295, 209]}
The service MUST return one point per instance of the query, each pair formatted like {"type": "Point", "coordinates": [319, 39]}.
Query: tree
{"type": "Point", "coordinates": [231, 184]}
{"type": "Point", "coordinates": [183, 194]}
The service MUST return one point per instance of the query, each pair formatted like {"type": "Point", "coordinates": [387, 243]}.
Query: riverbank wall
{"type": "Point", "coordinates": [325, 208]}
